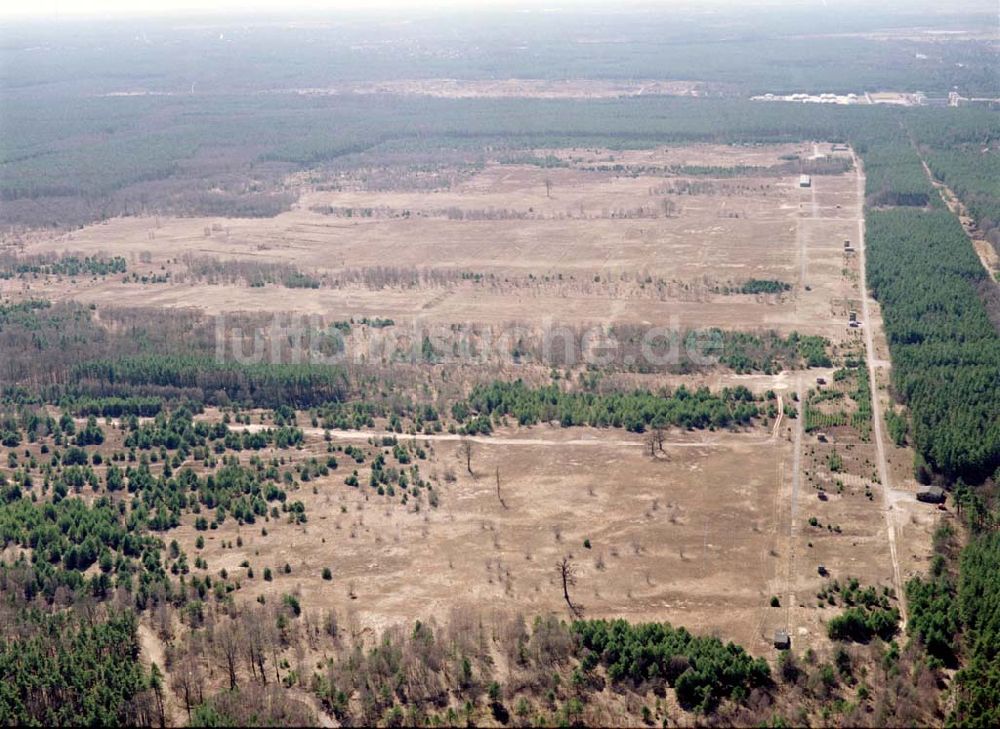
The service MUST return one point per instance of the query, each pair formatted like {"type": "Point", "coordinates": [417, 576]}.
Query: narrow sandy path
{"type": "Point", "coordinates": [984, 251]}
{"type": "Point", "coordinates": [793, 508]}
{"type": "Point", "coordinates": [152, 651]}
{"type": "Point", "coordinates": [883, 467]}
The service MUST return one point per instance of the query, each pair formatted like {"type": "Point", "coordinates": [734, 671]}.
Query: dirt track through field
{"type": "Point", "coordinates": [870, 358]}
{"type": "Point", "coordinates": [793, 506]}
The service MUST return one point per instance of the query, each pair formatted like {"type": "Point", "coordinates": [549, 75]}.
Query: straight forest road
{"type": "Point", "coordinates": [958, 209]}
{"type": "Point", "coordinates": [798, 426]}
{"type": "Point", "coordinates": [637, 442]}
{"type": "Point", "coordinates": [866, 323]}
{"type": "Point", "coordinates": [793, 508]}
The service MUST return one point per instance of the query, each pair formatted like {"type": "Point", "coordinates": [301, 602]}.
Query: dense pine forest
{"type": "Point", "coordinates": [147, 144]}
{"type": "Point", "coordinates": [945, 350]}
{"type": "Point", "coordinates": [635, 411]}
{"type": "Point", "coordinates": [944, 347]}
{"type": "Point", "coordinates": [957, 151]}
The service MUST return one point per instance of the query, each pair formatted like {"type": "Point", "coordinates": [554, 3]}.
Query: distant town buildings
{"type": "Point", "coordinates": [898, 98]}
{"type": "Point", "coordinates": [814, 98]}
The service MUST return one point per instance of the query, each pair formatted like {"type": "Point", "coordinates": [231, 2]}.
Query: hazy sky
{"type": "Point", "coordinates": [72, 8]}
{"type": "Point", "coordinates": [76, 8]}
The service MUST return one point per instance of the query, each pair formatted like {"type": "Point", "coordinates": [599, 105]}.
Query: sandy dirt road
{"type": "Point", "coordinates": [870, 357]}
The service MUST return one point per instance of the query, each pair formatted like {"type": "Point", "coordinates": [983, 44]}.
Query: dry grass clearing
{"type": "Point", "coordinates": [594, 245]}
{"type": "Point", "coordinates": [703, 534]}
{"type": "Point", "coordinates": [674, 537]}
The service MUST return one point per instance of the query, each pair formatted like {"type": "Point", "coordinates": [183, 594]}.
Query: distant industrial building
{"type": "Point", "coordinates": [898, 98]}
{"type": "Point", "coordinates": [805, 181]}
{"type": "Point", "coordinates": [814, 98]}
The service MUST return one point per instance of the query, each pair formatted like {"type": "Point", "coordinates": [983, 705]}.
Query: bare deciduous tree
{"type": "Point", "coordinates": [499, 496]}
{"type": "Point", "coordinates": [189, 681]}
{"type": "Point", "coordinates": [227, 644]}
{"type": "Point", "coordinates": [655, 439]}
{"type": "Point", "coordinates": [258, 629]}
{"type": "Point", "coordinates": [567, 575]}
{"type": "Point", "coordinates": [658, 432]}
{"type": "Point", "coordinates": [465, 454]}
{"type": "Point", "coordinates": [650, 440]}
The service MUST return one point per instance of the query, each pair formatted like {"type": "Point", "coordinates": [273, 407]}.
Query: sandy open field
{"type": "Point", "coordinates": [703, 534]}
{"type": "Point", "coordinates": [595, 247]}
{"type": "Point", "coordinates": [671, 538]}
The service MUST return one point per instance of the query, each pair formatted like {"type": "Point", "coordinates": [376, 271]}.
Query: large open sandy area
{"type": "Point", "coordinates": [705, 532]}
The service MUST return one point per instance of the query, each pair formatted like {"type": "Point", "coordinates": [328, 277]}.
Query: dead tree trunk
{"type": "Point", "coordinates": [465, 453]}
{"type": "Point", "coordinates": [654, 440]}
{"type": "Point", "coordinates": [499, 497]}
{"type": "Point", "coordinates": [567, 573]}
